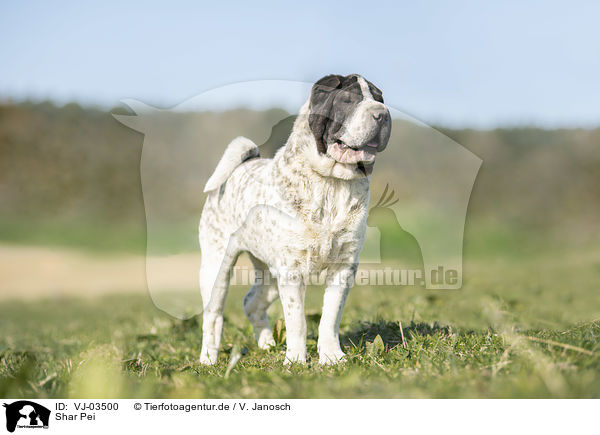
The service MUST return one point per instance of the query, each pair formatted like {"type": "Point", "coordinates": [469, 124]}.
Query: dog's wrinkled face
{"type": "Point", "coordinates": [349, 121]}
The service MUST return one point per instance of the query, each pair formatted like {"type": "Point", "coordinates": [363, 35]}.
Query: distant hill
{"type": "Point", "coordinates": [73, 164]}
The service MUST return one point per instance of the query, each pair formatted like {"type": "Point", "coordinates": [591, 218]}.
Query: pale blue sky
{"type": "Point", "coordinates": [459, 63]}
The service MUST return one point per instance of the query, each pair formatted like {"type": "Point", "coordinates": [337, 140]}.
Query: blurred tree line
{"type": "Point", "coordinates": [75, 167]}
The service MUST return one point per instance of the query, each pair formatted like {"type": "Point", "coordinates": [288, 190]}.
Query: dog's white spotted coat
{"type": "Point", "coordinates": [297, 214]}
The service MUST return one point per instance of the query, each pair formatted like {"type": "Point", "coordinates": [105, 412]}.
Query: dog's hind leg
{"type": "Point", "coordinates": [214, 295]}
{"type": "Point", "coordinates": [257, 300]}
{"type": "Point", "coordinates": [209, 269]}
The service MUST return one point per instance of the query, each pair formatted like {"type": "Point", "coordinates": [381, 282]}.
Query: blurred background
{"type": "Point", "coordinates": [515, 83]}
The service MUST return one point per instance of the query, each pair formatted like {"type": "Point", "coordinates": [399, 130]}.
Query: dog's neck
{"type": "Point", "coordinates": [308, 183]}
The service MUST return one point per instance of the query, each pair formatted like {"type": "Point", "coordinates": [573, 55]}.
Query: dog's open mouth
{"type": "Point", "coordinates": [345, 153]}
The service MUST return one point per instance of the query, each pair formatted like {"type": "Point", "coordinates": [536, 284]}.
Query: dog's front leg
{"type": "Point", "coordinates": [292, 300]}
{"type": "Point", "coordinates": [339, 280]}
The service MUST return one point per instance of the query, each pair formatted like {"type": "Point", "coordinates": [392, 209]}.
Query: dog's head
{"type": "Point", "coordinates": [349, 122]}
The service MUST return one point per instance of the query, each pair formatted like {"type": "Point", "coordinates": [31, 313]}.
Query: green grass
{"type": "Point", "coordinates": [99, 236]}
{"type": "Point", "coordinates": [518, 328]}
{"type": "Point", "coordinates": [85, 234]}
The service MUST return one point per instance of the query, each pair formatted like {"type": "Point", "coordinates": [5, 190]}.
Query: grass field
{"type": "Point", "coordinates": [521, 326]}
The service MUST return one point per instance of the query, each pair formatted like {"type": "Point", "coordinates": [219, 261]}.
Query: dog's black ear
{"type": "Point", "coordinates": [332, 81]}
{"type": "Point", "coordinates": [376, 92]}
{"type": "Point", "coordinates": [321, 102]}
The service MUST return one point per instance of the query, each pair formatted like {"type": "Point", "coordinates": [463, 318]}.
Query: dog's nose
{"type": "Point", "coordinates": [380, 115]}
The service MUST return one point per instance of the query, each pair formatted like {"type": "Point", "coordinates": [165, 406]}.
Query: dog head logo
{"type": "Point", "coordinates": [26, 414]}
{"type": "Point", "coordinates": [431, 174]}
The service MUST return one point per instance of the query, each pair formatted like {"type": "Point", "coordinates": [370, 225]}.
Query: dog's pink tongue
{"type": "Point", "coordinates": [372, 145]}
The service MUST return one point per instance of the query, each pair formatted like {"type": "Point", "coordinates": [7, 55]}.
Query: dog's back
{"type": "Point", "coordinates": [240, 150]}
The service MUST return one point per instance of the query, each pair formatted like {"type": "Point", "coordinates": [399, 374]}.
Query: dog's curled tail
{"type": "Point", "coordinates": [237, 152]}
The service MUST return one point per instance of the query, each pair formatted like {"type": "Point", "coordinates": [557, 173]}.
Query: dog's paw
{"type": "Point", "coordinates": [208, 358]}
{"type": "Point", "coordinates": [331, 358]}
{"type": "Point", "coordinates": [295, 358]}
{"type": "Point", "coordinates": [265, 340]}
